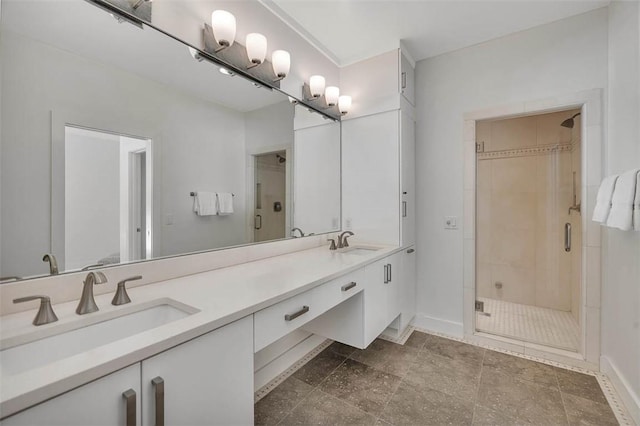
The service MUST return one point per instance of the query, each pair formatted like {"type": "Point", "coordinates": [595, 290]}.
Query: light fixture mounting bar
{"type": "Point", "coordinates": [137, 11]}
{"type": "Point", "coordinates": [319, 104]}
{"type": "Point", "coordinates": [235, 58]}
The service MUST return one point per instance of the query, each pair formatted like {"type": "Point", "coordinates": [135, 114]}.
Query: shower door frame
{"type": "Point", "coordinates": [590, 103]}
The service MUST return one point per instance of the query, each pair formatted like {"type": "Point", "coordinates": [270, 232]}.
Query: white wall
{"type": "Point", "coordinates": [562, 57]}
{"type": "Point", "coordinates": [621, 267]}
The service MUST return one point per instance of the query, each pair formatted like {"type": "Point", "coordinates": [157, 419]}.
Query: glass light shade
{"type": "Point", "coordinates": [316, 85]}
{"type": "Point", "coordinates": [281, 62]}
{"type": "Point", "coordinates": [331, 94]}
{"type": "Point", "coordinates": [224, 27]}
{"type": "Point", "coordinates": [256, 47]}
{"type": "Point", "coordinates": [344, 104]}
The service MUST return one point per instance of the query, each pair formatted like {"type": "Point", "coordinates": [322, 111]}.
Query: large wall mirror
{"type": "Point", "coordinates": [117, 145]}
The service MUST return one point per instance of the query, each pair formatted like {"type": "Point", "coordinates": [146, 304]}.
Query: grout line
{"type": "Point", "coordinates": [475, 401]}
{"type": "Point", "coordinates": [564, 406]}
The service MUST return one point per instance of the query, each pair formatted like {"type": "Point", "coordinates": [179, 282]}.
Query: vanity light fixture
{"type": "Point", "coordinates": [224, 28]}
{"type": "Point", "coordinates": [316, 85]}
{"type": "Point", "coordinates": [344, 104]}
{"type": "Point", "coordinates": [331, 95]}
{"type": "Point", "coordinates": [256, 49]}
{"type": "Point", "coordinates": [281, 63]}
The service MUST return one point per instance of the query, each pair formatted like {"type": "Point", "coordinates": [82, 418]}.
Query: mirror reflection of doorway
{"type": "Point", "coordinates": [107, 198]}
{"type": "Point", "coordinates": [270, 193]}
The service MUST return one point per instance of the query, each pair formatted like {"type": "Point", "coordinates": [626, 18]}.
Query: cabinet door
{"type": "Point", "coordinates": [407, 80]}
{"type": "Point", "coordinates": [208, 380]}
{"type": "Point", "coordinates": [375, 300]}
{"type": "Point", "coordinates": [100, 402]}
{"type": "Point", "coordinates": [408, 291]}
{"type": "Point", "coordinates": [408, 184]}
{"type": "Point", "coordinates": [393, 287]}
{"type": "Point", "coordinates": [371, 177]}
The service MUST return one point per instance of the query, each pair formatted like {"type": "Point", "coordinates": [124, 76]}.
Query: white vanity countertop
{"type": "Point", "coordinates": [222, 296]}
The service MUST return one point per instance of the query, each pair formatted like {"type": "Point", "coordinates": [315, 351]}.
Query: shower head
{"type": "Point", "coordinates": [569, 123]}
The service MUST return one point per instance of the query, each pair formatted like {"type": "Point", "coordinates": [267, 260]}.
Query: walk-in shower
{"type": "Point", "coordinates": [528, 228]}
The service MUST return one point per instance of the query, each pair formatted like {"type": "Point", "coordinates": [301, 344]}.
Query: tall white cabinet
{"type": "Point", "coordinates": [378, 177]}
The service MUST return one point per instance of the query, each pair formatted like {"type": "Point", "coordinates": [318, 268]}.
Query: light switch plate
{"type": "Point", "coordinates": [450, 222]}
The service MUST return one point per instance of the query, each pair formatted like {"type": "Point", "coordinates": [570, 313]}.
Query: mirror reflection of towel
{"type": "Point", "coordinates": [225, 203]}
{"type": "Point", "coordinates": [204, 203]}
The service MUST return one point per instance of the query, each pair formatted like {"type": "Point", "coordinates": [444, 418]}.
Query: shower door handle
{"type": "Point", "coordinates": [567, 236]}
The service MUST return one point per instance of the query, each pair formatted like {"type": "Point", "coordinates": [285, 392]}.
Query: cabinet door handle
{"type": "Point", "coordinates": [410, 251]}
{"type": "Point", "coordinates": [386, 274]}
{"type": "Point", "coordinates": [404, 209]}
{"type": "Point", "coordinates": [404, 80]}
{"type": "Point", "coordinates": [349, 286]}
{"type": "Point", "coordinates": [158, 386]}
{"type": "Point", "coordinates": [291, 317]}
{"type": "Point", "coordinates": [567, 236]}
{"type": "Point", "coordinates": [258, 222]}
{"type": "Point", "coordinates": [389, 273]}
{"type": "Point", "coordinates": [130, 407]}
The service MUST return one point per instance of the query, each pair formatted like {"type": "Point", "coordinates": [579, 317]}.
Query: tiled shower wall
{"type": "Point", "coordinates": [524, 190]}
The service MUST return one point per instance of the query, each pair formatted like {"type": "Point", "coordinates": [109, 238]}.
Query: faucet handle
{"type": "Point", "coordinates": [121, 297]}
{"type": "Point", "coordinates": [333, 244]}
{"type": "Point", "coordinates": [345, 242]}
{"type": "Point", "coordinates": [45, 313]}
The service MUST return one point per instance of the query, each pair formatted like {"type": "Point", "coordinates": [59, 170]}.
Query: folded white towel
{"type": "Point", "coordinates": [204, 203]}
{"type": "Point", "coordinates": [225, 203]}
{"type": "Point", "coordinates": [636, 205]}
{"type": "Point", "coordinates": [621, 214]}
{"type": "Point", "coordinates": [603, 199]}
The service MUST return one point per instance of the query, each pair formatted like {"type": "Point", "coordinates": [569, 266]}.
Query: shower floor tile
{"type": "Point", "coordinates": [529, 323]}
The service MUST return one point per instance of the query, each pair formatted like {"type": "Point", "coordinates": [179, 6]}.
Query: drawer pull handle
{"type": "Point", "coordinates": [158, 384]}
{"type": "Point", "coordinates": [130, 407]}
{"type": "Point", "coordinates": [291, 317]}
{"type": "Point", "coordinates": [386, 273]}
{"type": "Point", "coordinates": [349, 286]}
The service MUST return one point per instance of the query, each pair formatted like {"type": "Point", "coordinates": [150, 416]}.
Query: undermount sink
{"type": "Point", "coordinates": [360, 251]}
{"type": "Point", "coordinates": [65, 340]}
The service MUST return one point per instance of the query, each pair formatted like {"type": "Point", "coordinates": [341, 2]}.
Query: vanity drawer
{"type": "Point", "coordinates": [337, 290]}
{"type": "Point", "coordinates": [278, 320]}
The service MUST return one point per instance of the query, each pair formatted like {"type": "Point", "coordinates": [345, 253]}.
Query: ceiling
{"type": "Point", "coordinates": [348, 31]}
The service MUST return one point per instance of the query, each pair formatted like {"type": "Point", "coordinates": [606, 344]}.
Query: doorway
{"type": "Point", "coordinates": [529, 228]}
{"type": "Point", "coordinates": [108, 197]}
{"type": "Point", "coordinates": [270, 186]}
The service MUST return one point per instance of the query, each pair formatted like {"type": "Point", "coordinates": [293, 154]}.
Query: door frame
{"type": "Point", "coordinates": [250, 186]}
{"type": "Point", "coordinates": [591, 105]}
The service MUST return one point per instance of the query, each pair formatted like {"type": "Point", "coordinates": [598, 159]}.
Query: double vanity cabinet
{"type": "Point", "coordinates": [209, 379]}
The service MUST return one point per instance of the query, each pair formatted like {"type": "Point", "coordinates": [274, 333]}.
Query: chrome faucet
{"type": "Point", "coordinates": [342, 239]}
{"type": "Point", "coordinates": [53, 263]}
{"type": "Point", "coordinates": [297, 229]}
{"type": "Point", "coordinates": [87, 302]}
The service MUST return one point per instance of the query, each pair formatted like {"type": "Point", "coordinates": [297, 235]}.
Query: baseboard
{"type": "Point", "coordinates": [438, 325]}
{"type": "Point", "coordinates": [629, 398]}
{"type": "Point", "coordinates": [283, 362]}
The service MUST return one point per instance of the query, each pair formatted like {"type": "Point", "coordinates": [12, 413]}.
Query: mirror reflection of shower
{"type": "Point", "coordinates": [528, 270]}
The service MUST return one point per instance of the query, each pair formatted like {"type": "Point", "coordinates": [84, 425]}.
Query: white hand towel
{"type": "Point", "coordinates": [636, 205]}
{"type": "Point", "coordinates": [205, 203]}
{"type": "Point", "coordinates": [621, 214]}
{"type": "Point", "coordinates": [603, 200]}
{"type": "Point", "coordinates": [225, 203]}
